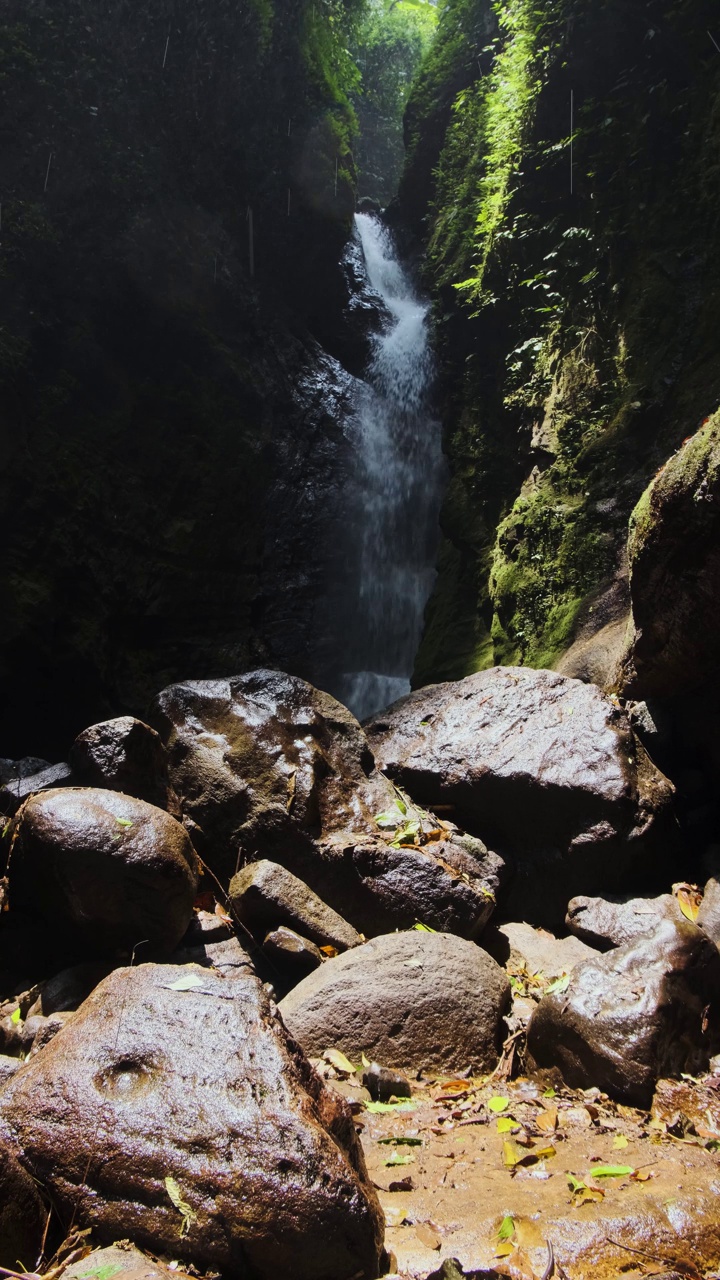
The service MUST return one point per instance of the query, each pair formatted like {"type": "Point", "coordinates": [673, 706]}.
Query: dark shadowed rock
{"type": "Point", "coordinates": [709, 913]}
{"type": "Point", "coordinates": [634, 1015]}
{"type": "Point", "coordinates": [199, 1085]}
{"type": "Point", "coordinates": [67, 990]}
{"type": "Point", "coordinates": [607, 922]}
{"type": "Point", "coordinates": [545, 768]}
{"type": "Point", "coordinates": [266, 766]}
{"type": "Point", "coordinates": [522, 946]}
{"type": "Point", "coordinates": [22, 1214]}
{"type": "Point", "coordinates": [264, 895]}
{"type": "Point", "coordinates": [294, 955]}
{"type": "Point", "coordinates": [103, 870]}
{"type": "Point", "coordinates": [410, 1000]}
{"type": "Point", "coordinates": [123, 755]}
{"type": "Point", "coordinates": [45, 1029]}
{"type": "Point", "coordinates": [674, 555]}
{"type": "Point", "coordinates": [16, 791]}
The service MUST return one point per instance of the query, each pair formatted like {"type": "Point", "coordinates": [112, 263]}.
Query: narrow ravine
{"type": "Point", "coordinates": [395, 488]}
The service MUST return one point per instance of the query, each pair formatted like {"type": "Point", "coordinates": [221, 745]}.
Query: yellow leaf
{"type": "Point", "coordinates": [504, 1249]}
{"type": "Point", "coordinates": [498, 1104]}
{"type": "Point", "coordinates": [188, 1215]}
{"type": "Point", "coordinates": [511, 1155]}
{"type": "Point", "coordinates": [506, 1124]}
{"type": "Point", "coordinates": [619, 1141]}
{"type": "Point", "coordinates": [339, 1061]}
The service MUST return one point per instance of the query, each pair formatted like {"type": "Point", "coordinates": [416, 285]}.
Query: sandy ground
{"type": "Point", "coordinates": [481, 1172]}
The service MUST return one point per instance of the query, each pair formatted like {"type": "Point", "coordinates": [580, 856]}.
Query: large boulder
{"type": "Point", "coordinates": [546, 769]}
{"type": "Point", "coordinates": [103, 870]}
{"type": "Point", "coordinates": [174, 1111]}
{"type": "Point", "coordinates": [22, 1213]}
{"type": "Point", "coordinates": [674, 556]}
{"type": "Point", "coordinates": [410, 1000]}
{"type": "Point", "coordinates": [611, 922]}
{"type": "Point", "coordinates": [123, 755]}
{"type": "Point", "coordinates": [645, 1010]}
{"type": "Point", "coordinates": [266, 766]}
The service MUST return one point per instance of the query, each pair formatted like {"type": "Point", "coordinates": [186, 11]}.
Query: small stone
{"type": "Point", "coordinates": [382, 1084]}
{"type": "Point", "coordinates": [264, 895]}
{"type": "Point", "coordinates": [292, 952]}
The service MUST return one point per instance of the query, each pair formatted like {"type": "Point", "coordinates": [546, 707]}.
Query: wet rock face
{"type": "Point", "coordinates": [409, 1000]}
{"type": "Point", "coordinates": [543, 767]}
{"type": "Point", "coordinates": [122, 755]}
{"type": "Point", "coordinates": [268, 767]}
{"type": "Point", "coordinates": [103, 871]}
{"type": "Point", "coordinates": [709, 913]}
{"type": "Point", "coordinates": [202, 1086]}
{"type": "Point", "coordinates": [604, 923]}
{"type": "Point", "coordinates": [536, 950]}
{"type": "Point", "coordinates": [22, 785]}
{"type": "Point", "coordinates": [645, 1010]}
{"type": "Point", "coordinates": [22, 1213]}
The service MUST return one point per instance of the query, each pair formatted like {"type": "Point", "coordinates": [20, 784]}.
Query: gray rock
{"type": "Point", "coordinates": [123, 755]}
{"type": "Point", "coordinates": [408, 1000]}
{"type": "Point", "coordinates": [709, 913]}
{"type": "Point", "coordinates": [17, 791]}
{"type": "Point", "coordinates": [634, 1015]}
{"type": "Point", "coordinates": [522, 946]}
{"type": "Point", "coordinates": [199, 1084]}
{"type": "Point", "coordinates": [266, 766]}
{"type": "Point", "coordinates": [22, 1214]}
{"type": "Point", "coordinates": [608, 922]}
{"type": "Point", "coordinates": [103, 871]}
{"type": "Point", "coordinates": [546, 769]}
{"type": "Point", "coordinates": [264, 895]}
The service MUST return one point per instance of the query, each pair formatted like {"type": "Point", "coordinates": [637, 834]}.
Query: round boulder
{"type": "Point", "coordinates": [103, 871]}
{"type": "Point", "coordinates": [412, 1000]}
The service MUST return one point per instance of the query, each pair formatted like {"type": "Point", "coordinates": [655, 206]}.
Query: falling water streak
{"type": "Point", "coordinates": [398, 486]}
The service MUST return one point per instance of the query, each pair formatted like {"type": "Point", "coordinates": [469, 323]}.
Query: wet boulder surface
{"type": "Point", "coordinates": [175, 1111]}
{"type": "Point", "coordinates": [422, 1000]}
{"type": "Point", "coordinates": [645, 1010]}
{"type": "Point", "coordinates": [123, 754]}
{"type": "Point", "coordinates": [607, 922]}
{"type": "Point", "coordinates": [102, 871]}
{"type": "Point", "coordinates": [266, 766]}
{"type": "Point", "coordinates": [546, 769]}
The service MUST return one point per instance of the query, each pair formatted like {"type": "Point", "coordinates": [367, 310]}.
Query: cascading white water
{"type": "Point", "coordinates": [397, 487]}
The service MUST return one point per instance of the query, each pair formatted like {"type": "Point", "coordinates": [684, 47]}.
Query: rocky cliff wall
{"type": "Point", "coordinates": [577, 324]}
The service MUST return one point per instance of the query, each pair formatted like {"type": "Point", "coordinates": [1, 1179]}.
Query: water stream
{"type": "Point", "coordinates": [397, 485]}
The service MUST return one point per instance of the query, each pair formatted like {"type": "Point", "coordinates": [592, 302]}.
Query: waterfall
{"type": "Point", "coordinates": [396, 488]}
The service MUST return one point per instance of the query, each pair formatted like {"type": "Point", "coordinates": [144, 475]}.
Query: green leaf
{"type": "Point", "coordinates": [402, 1141]}
{"type": "Point", "coordinates": [506, 1124]}
{"type": "Point", "coordinates": [498, 1104]}
{"type": "Point", "coordinates": [549, 1093]}
{"type": "Point", "coordinates": [612, 1171]}
{"type": "Point", "coordinates": [423, 928]}
{"type": "Point", "coordinates": [506, 1230]}
{"type": "Point", "coordinates": [574, 1183]}
{"type": "Point", "coordinates": [396, 1158]}
{"type": "Point", "coordinates": [557, 986]}
{"type": "Point", "coordinates": [103, 1272]}
{"type": "Point", "coordinates": [16, 1016]}
{"type": "Point", "coordinates": [186, 983]}
{"type": "Point", "coordinates": [388, 819]}
{"type": "Point", "coordinates": [123, 822]}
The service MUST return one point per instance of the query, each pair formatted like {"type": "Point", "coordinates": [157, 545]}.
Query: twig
{"type": "Point", "coordinates": [550, 1268]}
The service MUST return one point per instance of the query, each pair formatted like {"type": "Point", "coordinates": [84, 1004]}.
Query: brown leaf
{"type": "Point", "coordinates": [427, 1235]}
{"type": "Point", "coordinates": [547, 1120]}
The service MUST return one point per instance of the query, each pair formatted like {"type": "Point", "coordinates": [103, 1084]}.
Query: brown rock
{"type": "Point", "coordinates": [121, 1262]}
{"type": "Point", "coordinates": [103, 870]}
{"type": "Point", "coordinates": [266, 766]}
{"type": "Point", "coordinates": [264, 894]}
{"type": "Point", "coordinates": [522, 946]}
{"type": "Point", "coordinates": [709, 913]}
{"type": "Point", "coordinates": [546, 769]}
{"type": "Point", "coordinates": [199, 1085]}
{"type": "Point", "coordinates": [634, 1015]}
{"type": "Point", "coordinates": [292, 954]}
{"type": "Point", "coordinates": [408, 1000]}
{"type": "Point", "coordinates": [607, 922]}
{"type": "Point", "coordinates": [123, 755]}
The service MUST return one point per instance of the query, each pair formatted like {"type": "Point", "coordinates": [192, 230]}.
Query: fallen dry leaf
{"type": "Point", "coordinates": [427, 1235]}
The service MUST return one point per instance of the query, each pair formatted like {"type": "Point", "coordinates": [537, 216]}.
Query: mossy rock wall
{"type": "Point", "coordinates": [576, 327]}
